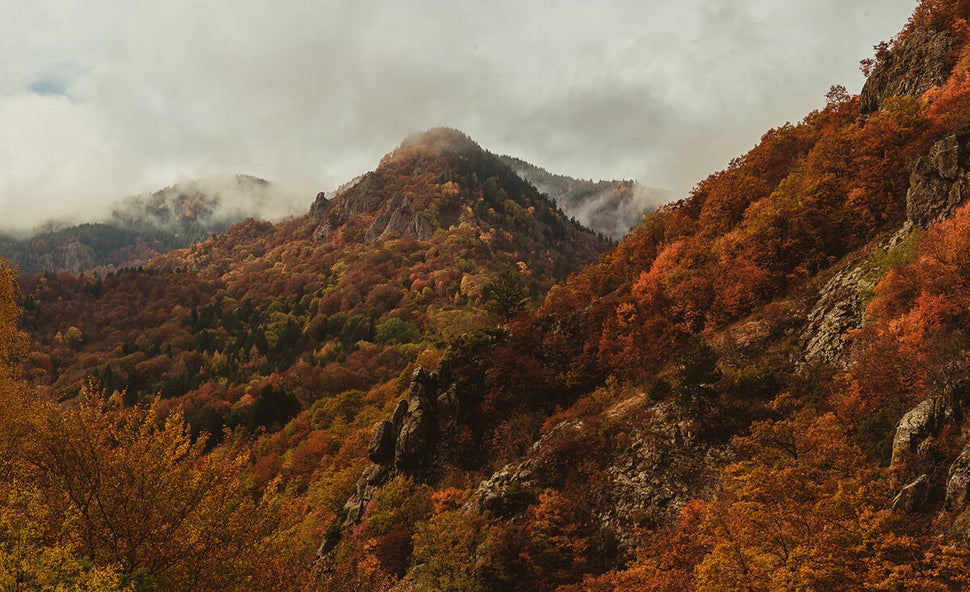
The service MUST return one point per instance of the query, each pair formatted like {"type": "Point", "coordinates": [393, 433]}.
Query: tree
{"type": "Point", "coordinates": [144, 499]}
{"type": "Point", "coordinates": [697, 377]}
{"type": "Point", "coordinates": [505, 295]}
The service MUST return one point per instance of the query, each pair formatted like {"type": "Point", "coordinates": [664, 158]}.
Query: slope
{"type": "Point", "coordinates": [143, 226]}
{"type": "Point", "coordinates": [610, 208]}
{"type": "Point", "coordinates": [764, 385]}
{"type": "Point", "coordinates": [250, 327]}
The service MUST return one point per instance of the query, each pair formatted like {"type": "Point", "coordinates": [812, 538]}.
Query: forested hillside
{"type": "Point", "coordinates": [141, 227]}
{"type": "Point", "coordinates": [609, 208]}
{"type": "Point", "coordinates": [431, 382]}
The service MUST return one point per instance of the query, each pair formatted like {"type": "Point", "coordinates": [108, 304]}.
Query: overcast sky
{"type": "Point", "coordinates": [100, 99]}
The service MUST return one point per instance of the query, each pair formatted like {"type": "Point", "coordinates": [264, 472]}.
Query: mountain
{"type": "Point", "coordinates": [434, 380]}
{"type": "Point", "coordinates": [441, 235]}
{"type": "Point", "coordinates": [610, 208]}
{"type": "Point", "coordinates": [143, 226]}
{"type": "Point", "coordinates": [763, 386]}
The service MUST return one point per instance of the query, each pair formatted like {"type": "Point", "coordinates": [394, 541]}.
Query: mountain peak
{"type": "Point", "coordinates": [441, 140]}
{"type": "Point", "coordinates": [434, 181]}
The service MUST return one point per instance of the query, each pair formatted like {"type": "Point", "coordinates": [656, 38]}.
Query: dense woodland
{"type": "Point", "coordinates": [650, 416]}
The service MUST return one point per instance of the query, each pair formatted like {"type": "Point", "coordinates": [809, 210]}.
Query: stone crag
{"type": "Point", "coordinates": [915, 65]}
{"type": "Point", "coordinates": [940, 181]}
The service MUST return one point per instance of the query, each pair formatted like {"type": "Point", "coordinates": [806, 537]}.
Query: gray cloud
{"type": "Point", "coordinates": [102, 99]}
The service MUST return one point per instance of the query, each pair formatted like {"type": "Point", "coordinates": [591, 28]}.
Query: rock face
{"type": "Point", "coordinates": [940, 181]}
{"type": "Point", "coordinates": [917, 427]}
{"type": "Point", "coordinates": [398, 446]}
{"type": "Point", "coordinates": [914, 461]}
{"type": "Point", "coordinates": [412, 442]}
{"type": "Point", "coordinates": [381, 448]}
{"type": "Point", "coordinates": [73, 257]}
{"type": "Point", "coordinates": [318, 211]}
{"type": "Point", "coordinates": [939, 184]}
{"type": "Point", "coordinates": [914, 496]}
{"type": "Point", "coordinates": [839, 308]}
{"type": "Point", "coordinates": [911, 68]}
{"type": "Point", "coordinates": [639, 490]}
{"type": "Point", "coordinates": [399, 218]}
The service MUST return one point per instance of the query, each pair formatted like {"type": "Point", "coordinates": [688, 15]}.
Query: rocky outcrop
{"type": "Point", "coordinates": [939, 184]}
{"type": "Point", "coordinates": [504, 492]}
{"type": "Point", "coordinates": [420, 436]}
{"type": "Point", "coordinates": [73, 257]}
{"type": "Point", "coordinates": [839, 307]}
{"type": "Point", "coordinates": [640, 489]}
{"type": "Point", "coordinates": [318, 211]}
{"type": "Point", "coordinates": [381, 448]}
{"type": "Point", "coordinates": [940, 181]}
{"type": "Point", "coordinates": [399, 218]}
{"type": "Point", "coordinates": [916, 428]}
{"type": "Point", "coordinates": [396, 217]}
{"type": "Point", "coordinates": [915, 461]}
{"type": "Point", "coordinates": [911, 68]}
{"type": "Point", "coordinates": [397, 446]}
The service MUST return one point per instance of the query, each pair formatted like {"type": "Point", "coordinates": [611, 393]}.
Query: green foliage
{"type": "Point", "coordinates": [882, 260]}
{"type": "Point", "coordinates": [397, 331]}
{"type": "Point", "coordinates": [505, 295]}
{"type": "Point", "coordinates": [401, 501]}
{"type": "Point", "coordinates": [344, 407]}
{"type": "Point", "coordinates": [447, 550]}
{"type": "Point", "coordinates": [696, 378]}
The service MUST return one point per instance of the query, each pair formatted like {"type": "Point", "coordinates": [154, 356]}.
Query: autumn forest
{"type": "Point", "coordinates": [438, 379]}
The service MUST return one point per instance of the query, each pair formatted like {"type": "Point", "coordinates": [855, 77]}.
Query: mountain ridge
{"type": "Point", "coordinates": [610, 208]}
{"type": "Point", "coordinates": [763, 386]}
{"type": "Point", "coordinates": [141, 227]}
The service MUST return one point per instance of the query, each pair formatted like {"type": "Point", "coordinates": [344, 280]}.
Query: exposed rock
{"type": "Point", "coordinates": [916, 428]}
{"type": "Point", "coordinates": [939, 184]}
{"type": "Point", "coordinates": [940, 181]}
{"type": "Point", "coordinates": [911, 68]}
{"type": "Point", "coordinates": [661, 470]}
{"type": "Point", "coordinates": [415, 437]}
{"type": "Point", "coordinates": [416, 440]}
{"type": "Point", "coordinates": [381, 447]}
{"type": "Point", "coordinates": [839, 308]}
{"type": "Point", "coordinates": [958, 482]}
{"type": "Point", "coordinates": [367, 485]}
{"type": "Point", "coordinates": [501, 493]}
{"type": "Point", "coordinates": [417, 425]}
{"type": "Point", "coordinates": [398, 446]}
{"type": "Point", "coordinates": [399, 218]}
{"type": "Point", "coordinates": [913, 497]}
{"type": "Point", "coordinates": [318, 211]}
{"type": "Point", "coordinates": [397, 418]}
{"type": "Point", "coordinates": [640, 490]}
{"type": "Point", "coordinates": [449, 407]}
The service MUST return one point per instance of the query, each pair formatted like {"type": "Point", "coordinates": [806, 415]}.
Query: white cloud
{"type": "Point", "coordinates": [310, 94]}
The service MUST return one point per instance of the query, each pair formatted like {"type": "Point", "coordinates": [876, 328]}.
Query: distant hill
{"type": "Point", "coordinates": [143, 226]}
{"type": "Point", "coordinates": [610, 208]}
